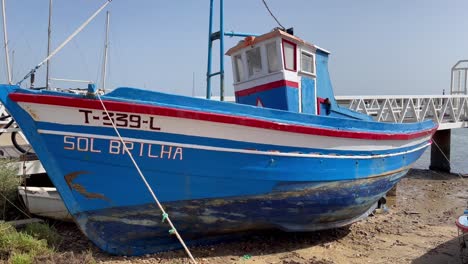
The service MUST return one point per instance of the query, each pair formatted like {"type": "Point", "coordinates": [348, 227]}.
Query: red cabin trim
{"type": "Point", "coordinates": [266, 87]}
{"type": "Point", "coordinates": [294, 69]}
{"type": "Point", "coordinates": [320, 100]}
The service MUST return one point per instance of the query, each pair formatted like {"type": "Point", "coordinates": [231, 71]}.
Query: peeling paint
{"type": "Point", "coordinates": [32, 113]}
{"type": "Point", "coordinates": [128, 221]}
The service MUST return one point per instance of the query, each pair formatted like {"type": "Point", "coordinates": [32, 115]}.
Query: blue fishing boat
{"type": "Point", "coordinates": [284, 155]}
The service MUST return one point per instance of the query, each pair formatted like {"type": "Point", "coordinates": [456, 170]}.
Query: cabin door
{"type": "Point", "coordinates": [308, 95]}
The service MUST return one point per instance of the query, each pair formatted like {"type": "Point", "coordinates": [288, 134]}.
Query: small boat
{"type": "Point", "coordinates": [45, 202]}
{"type": "Point", "coordinates": [284, 155]}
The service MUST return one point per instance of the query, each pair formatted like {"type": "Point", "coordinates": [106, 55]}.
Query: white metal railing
{"type": "Point", "coordinates": [459, 78]}
{"type": "Point", "coordinates": [7, 150]}
{"type": "Point", "coordinates": [448, 111]}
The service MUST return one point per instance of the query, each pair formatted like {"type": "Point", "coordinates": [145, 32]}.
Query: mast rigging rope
{"type": "Point", "coordinates": [78, 30]}
{"type": "Point", "coordinates": [277, 21]}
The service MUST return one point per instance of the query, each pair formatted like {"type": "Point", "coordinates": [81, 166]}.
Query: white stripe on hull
{"type": "Point", "coordinates": [190, 127]}
{"type": "Point", "coordinates": [221, 149]}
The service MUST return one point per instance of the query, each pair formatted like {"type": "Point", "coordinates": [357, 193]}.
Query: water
{"type": "Point", "coordinates": [458, 153]}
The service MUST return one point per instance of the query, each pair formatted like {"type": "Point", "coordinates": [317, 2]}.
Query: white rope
{"type": "Point", "coordinates": [8, 200]}
{"type": "Point", "coordinates": [448, 160]}
{"type": "Point", "coordinates": [165, 215]}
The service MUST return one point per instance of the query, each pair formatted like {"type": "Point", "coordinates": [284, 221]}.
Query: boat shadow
{"type": "Point", "coordinates": [448, 252]}
{"type": "Point", "coordinates": [426, 174]}
{"type": "Point", "coordinates": [263, 242]}
{"type": "Point", "coordinates": [245, 245]}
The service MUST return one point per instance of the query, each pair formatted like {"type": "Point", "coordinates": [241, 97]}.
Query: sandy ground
{"type": "Point", "coordinates": [418, 228]}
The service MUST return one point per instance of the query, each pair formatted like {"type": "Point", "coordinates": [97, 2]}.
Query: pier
{"type": "Point", "coordinates": [448, 111]}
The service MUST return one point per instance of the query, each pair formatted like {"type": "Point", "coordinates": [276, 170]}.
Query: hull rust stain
{"type": "Point", "coordinates": [70, 177]}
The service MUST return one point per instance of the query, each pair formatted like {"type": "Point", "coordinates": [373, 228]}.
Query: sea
{"type": "Point", "coordinates": [458, 153]}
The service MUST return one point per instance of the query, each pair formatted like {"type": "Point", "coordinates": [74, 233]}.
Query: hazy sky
{"type": "Point", "coordinates": [377, 47]}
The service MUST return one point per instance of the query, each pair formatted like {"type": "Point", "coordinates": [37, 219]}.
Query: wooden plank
{"type": "Point", "coordinates": [23, 222]}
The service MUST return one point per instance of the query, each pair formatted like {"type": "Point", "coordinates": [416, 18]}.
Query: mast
{"type": "Point", "coordinates": [193, 84]}
{"type": "Point", "coordinates": [210, 45]}
{"type": "Point", "coordinates": [5, 39]}
{"type": "Point", "coordinates": [212, 37]}
{"type": "Point", "coordinates": [49, 31]}
{"type": "Point", "coordinates": [218, 35]}
{"type": "Point", "coordinates": [106, 47]}
{"type": "Point", "coordinates": [12, 64]}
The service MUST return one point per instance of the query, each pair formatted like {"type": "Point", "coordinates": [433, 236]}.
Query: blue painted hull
{"type": "Point", "coordinates": [210, 181]}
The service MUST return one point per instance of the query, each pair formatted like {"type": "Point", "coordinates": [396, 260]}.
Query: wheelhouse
{"type": "Point", "coordinates": [281, 71]}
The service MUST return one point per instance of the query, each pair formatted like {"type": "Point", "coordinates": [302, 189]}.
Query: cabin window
{"type": "Point", "coordinates": [272, 57]}
{"type": "Point", "coordinates": [307, 62]}
{"type": "Point", "coordinates": [254, 61]}
{"type": "Point", "coordinates": [239, 68]}
{"type": "Point", "coordinates": [289, 53]}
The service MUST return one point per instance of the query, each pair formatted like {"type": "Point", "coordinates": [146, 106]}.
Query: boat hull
{"type": "Point", "coordinates": [293, 207]}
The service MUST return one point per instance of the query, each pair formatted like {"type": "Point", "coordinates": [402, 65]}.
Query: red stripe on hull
{"type": "Point", "coordinates": [266, 87]}
{"type": "Point", "coordinates": [211, 117]}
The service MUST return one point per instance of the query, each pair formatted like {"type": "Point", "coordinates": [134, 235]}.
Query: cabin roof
{"type": "Point", "coordinates": [273, 34]}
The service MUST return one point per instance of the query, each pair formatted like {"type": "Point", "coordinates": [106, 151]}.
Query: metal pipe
{"type": "Point", "coordinates": [452, 80]}
{"type": "Point", "coordinates": [239, 34]}
{"type": "Point", "coordinates": [78, 30]}
{"type": "Point", "coordinates": [49, 32]}
{"type": "Point", "coordinates": [106, 46]}
{"type": "Point", "coordinates": [70, 80]}
{"type": "Point", "coordinates": [221, 50]}
{"type": "Point", "coordinates": [214, 74]}
{"type": "Point", "coordinates": [5, 39]}
{"type": "Point", "coordinates": [210, 45]}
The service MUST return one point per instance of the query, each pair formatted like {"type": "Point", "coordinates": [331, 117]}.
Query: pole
{"type": "Point", "coordinates": [210, 45]}
{"type": "Point", "coordinates": [221, 50]}
{"type": "Point", "coordinates": [49, 31]}
{"type": "Point", "coordinates": [5, 39]}
{"type": "Point", "coordinates": [106, 46]}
